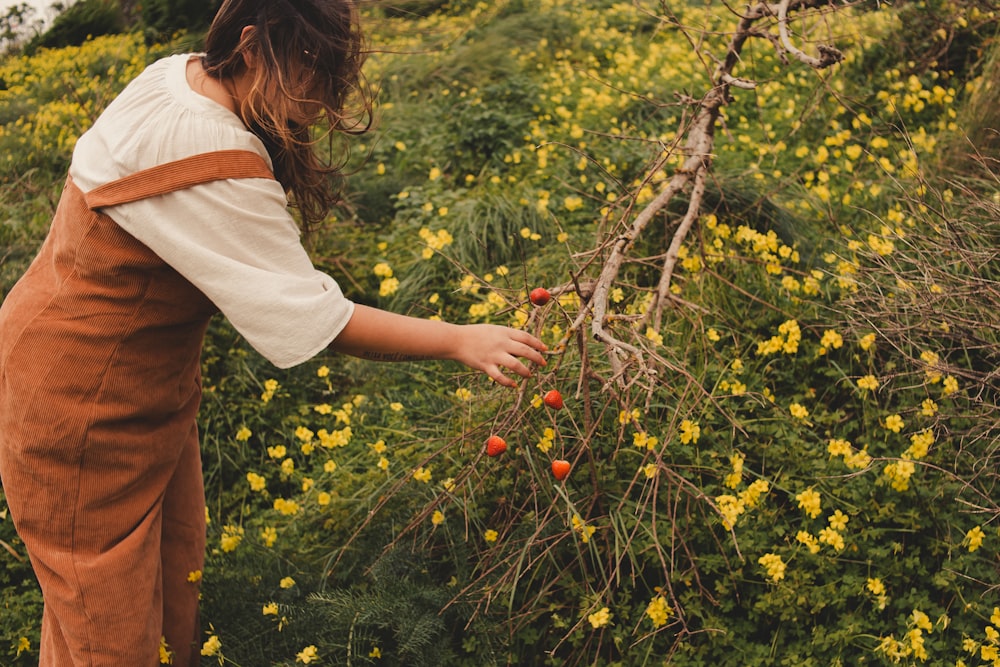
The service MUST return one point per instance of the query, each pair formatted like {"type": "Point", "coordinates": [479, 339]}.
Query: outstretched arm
{"type": "Point", "coordinates": [380, 335]}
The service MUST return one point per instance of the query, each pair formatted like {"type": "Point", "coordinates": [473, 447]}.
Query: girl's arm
{"type": "Point", "coordinates": [380, 335]}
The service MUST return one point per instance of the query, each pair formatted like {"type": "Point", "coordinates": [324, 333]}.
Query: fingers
{"type": "Point", "coordinates": [529, 340]}
{"type": "Point", "coordinates": [509, 346]}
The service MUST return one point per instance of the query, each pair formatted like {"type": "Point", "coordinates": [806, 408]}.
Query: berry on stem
{"type": "Point", "coordinates": [539, 296]}
{"type": "Point", "coordinates": [560, 469]}
{"type": "Point", "coordinates": [495, 445]}
{"type": "Point", "coordinates": [553, 399]}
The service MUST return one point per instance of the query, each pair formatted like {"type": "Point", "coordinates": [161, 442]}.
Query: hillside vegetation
{"type": "Point", "coordinates": [780, 401]}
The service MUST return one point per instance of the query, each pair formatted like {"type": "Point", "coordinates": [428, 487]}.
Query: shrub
{"type": "Point", "coordinates": [79, 22]}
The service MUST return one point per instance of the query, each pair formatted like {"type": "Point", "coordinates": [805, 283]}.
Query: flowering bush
{"type": "Point", "coordinates": [800, 472]}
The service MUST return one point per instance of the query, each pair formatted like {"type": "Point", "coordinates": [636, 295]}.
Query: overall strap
{"type": "Point", "coordinates": [178, 175]}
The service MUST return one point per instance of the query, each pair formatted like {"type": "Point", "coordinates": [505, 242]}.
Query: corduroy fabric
{"type": "Point", "coordinates": [100, 347]}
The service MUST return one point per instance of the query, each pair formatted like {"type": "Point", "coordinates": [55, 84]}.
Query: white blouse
{"type": "Point", "coordinates": [235, 240]}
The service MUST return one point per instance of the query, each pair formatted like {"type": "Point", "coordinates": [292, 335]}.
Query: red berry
{"type": "Point", "coordinates": [539, 296]}
{"type": "Point", "coordinates": [495, 445]}
{"type": "Point", "coordinates": [560, 469]}
{"type": "Point", "coordinates": [553, 399]}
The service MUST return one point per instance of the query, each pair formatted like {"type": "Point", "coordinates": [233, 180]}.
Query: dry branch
{"type": "Point", "coordinates": [626, 357]}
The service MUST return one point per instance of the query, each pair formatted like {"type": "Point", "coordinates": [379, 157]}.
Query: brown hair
{"type": "Point", "coordinates": [308, 56]}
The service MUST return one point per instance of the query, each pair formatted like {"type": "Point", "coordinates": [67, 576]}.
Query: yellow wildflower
{"type": "Point", "coordinates": [600, 618]}
{"type": "Point", "coordinates": [774, 566]}
{"type": "Point", "coordinates": [658, 611]}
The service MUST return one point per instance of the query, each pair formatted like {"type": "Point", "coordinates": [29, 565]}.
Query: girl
{"type": "Point", "coordinates": [175, 207]}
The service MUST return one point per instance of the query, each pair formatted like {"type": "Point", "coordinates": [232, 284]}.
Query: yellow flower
{"type": "Point", "coordinates": [286, 507]}
{"type": "Point", "coordinates": [839, 447]}
{"type": "Point", "coordinates": [624, 417]}
{"type": "Point", "coordinates": [798, 411]}
{"type": "Point", "coordinates": [271, 609]}
{"type": "Point", "coordinates": [422, 474]}
{"type": "Point", "coordinates": [544, 443]}
{"type": "Point", "coordinates": [383, 463]}
{"type": "Point", "coordinates": [166, 655]}
{"type": "Point", "coordinates": [928, 408]}
{"type": "Point", "coordinates": [277, 452]}
{"type": "Point", "coordinates": [832, 537]}
{"type": "Point", "coordinates": [211, 646]}
{"type": "Point", "coordinates": [307, 655]}
{"type": "Point", "coordinates": [919, 444]}
{"type": "Point", "coordinates": [650, 470]}
{"type": "Point", "coordinates": [269, 536]}
{"type": "Point", "coordinates": [875, 586]}
{"type": "Point", "coordinates": [375, 652]}
{"type": "Point", "coordinates": [750, 497]}
{"type": "Point", "coordinates": [257, 483]}
{"type": "Point", "coordinates": [231, 538]}
{"type": "Point", "coordinates": [838, 520]}
{"type": "Point", "coordinates": [899, 474]}
{"type": "Point", "coordinates": [643, 440]}
{"type": "Point", "coordinates": [490, 535]}
{"type": "Point", "coordinates": [463, 394]}
{"type": "Point", "coordinates": [690, 431]}
{"type": "Point", "coordinates": [774, 565]}
{"type": "Point", "coordinates": [600, 618]}
{"type": "Point", "coordinates": [323, 371]}
{"type": "Point", "coordinates": [194, 576]}
{"type": "Point", "coordinates": [831, 340]}
{"type": "Point", "coordinates": [243, 434]}
{"type": "Point", "coordinates": [730, 507]}
{"type": "Point", "coordinates": [734, 478]}
{"type": "Point", "coordinates": [23, 644]}
{"type": "Point", "coordinates": [894, 423]}
{"type": "Point", "coordinates": [867, 342]}
{"type": "Point", "coordinates": [869, 382]}
{"type": "Point", "coordinates": [658, 611]}
{"type": "Point", "coordinates": [396, 407]}
{"type": "Point", "coordinates": [286, 582]}
{"type": "Point", "coordinates": [950, 386]}
{"type": "Point", "coordinates": [922, 621]}
{"type": "Point", "coordinates": [809, 501]}
{"type": "Point", "coordinates": [329, 466]}
{"type": "Point", "coordinates": [974, 538]}
{"type": "Point", "coordinates": [809, 540]}
{"type": "Point", "coordinates": [581, 526]}
{"type": "Point", "coordinates": [437, 518]}
{"type": "Point", "coordinates": [388, 286]}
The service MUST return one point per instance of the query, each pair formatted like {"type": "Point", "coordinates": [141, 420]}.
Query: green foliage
{"type": "Point", "coordinates": [163, 18]}
{"type": "Point", "coordinates": [79, 22]}
{"type": "Point", "coordinates": [22, 599]}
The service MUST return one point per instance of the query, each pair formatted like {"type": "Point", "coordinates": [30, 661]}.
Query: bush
{"type": "Point", "coordinates": [81, 21]}
{"type": "Point", "coordinates": [800, 471]}
{"type": "Point", "coordinates": [163, 18]}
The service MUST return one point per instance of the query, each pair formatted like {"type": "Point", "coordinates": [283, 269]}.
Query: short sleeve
{"type": "Point", "coordinates": [236, 242]}
{"type": "Point", "coordinates": [233, 239]}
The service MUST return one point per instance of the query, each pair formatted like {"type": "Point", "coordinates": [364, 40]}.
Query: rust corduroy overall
{"type": "Point", "coordinates": [100, 346]}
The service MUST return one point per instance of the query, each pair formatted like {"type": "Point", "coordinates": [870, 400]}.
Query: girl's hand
{"type": "Point", "coordinates": [489, 347]}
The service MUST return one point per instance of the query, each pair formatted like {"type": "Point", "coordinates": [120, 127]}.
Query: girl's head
{"type": "Point", "coordinates": [297, 62]}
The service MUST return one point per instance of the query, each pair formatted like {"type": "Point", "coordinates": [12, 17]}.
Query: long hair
{"type": "Point", "coordinates": [308, 56]}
